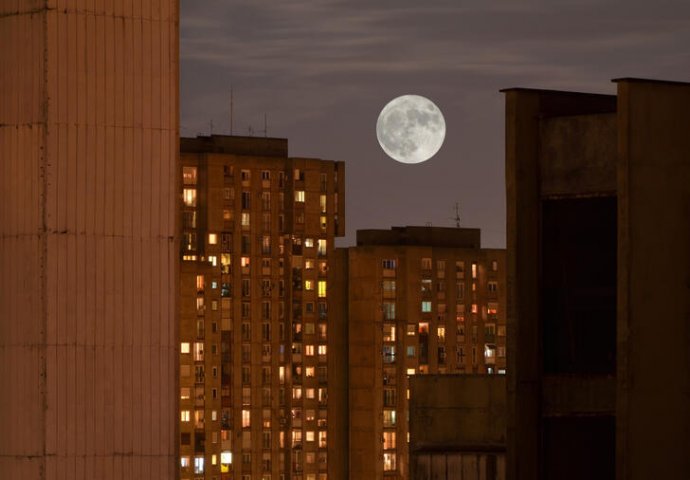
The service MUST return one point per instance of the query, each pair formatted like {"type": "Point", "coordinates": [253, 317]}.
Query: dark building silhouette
{"type": "Point", "coordinates": [88, 253]}
{"type": "Point", "coordinates": [598, 192]}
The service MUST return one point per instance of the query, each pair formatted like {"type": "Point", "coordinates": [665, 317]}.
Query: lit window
{"type": "Point", "coordinates": [189, 197]}
{"type": "Point", "coordinates": [212, 238]}
{"type": "Point", "coordinates": [246, 419]}
{"type": "Point", "coordinates": [424, 328]}
{"type": "Point", "coordinates": [213, 260]}
{"type": "Point", "coordinates": [309, 371]}
{"type": "Point", "coordinates": [410, 371]}
{"type": "Point", "coordinates": [474, 308]}
{"type": "Point", "coordinates": [184, 347]}
{"type": "Point", "coordinates": [322, 349]}
{"type": "Point", "coordinates": [309, 350]}
{"type": "Point", "coordinates": [226, 458]}
{"type": "Point", "coordinates": [185, 393]}
{"type": "Point", "coordinates": [245, 219]}
{"type": "Point", "coordinates": [198, 465]}
{"type": "Point", "coordinates": [389, 417]}
{"type": "Point", "coordinates": [199, 283]}
{"type": "Point", "coordinates": [492, 308]}
{"type": "Point", "coordinates": [441, 334]}
{"type": "Point", "coordinates": [322, 439]}
{"type": "Point", "coordinates": [244, 262]}
{"type": "Point", "coordinates": [185, 416]}
{"type": "Point", "coordinates": [388, 332]}
{"type": "Point", "coordinates": [388, 462]}
{"type": "Point", "coordinates": [388, 440]}
{"type": "Point", "coordinates": [214, 459]}
{"type": "Point", "coordinates": [474, 269]}
{"type": "Point", "coordinates": [426, 306]}
{"type": "Point", "coordinates": [322, 288]}
{"type": "Point", "coordinates": [411, 329]}
{"type": "Point", "coordinates": [309, 284]}
{"type": "Point", "coordinates": [310, 393]}
{"type": "Point", "coordinates": [309, 242]}
{"type": "Point", "coordinates": [299, 195]}
{"type": "Point", "coordinates": [321, 247]}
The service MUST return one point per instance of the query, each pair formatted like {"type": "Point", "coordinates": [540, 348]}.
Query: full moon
{"type": "Point", "coordinates": [411, 129]}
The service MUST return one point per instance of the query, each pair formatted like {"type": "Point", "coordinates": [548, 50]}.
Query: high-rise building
{"type": "Point", "coordinates": [420, 300]}
{"type": "Point", "coordinates": [258, 371]}
{"type": "Point", "coordinates": [598, 197]}
{"type": "Point", "coordinates": [88, 255]}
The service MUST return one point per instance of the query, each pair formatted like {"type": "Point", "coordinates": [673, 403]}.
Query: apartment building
{"type": "Point", "coordinates": [420, 300]}
{"type": "Point", "coordinates": [598, 255]}
{"type": "Point", "coordinates": [258, 383]}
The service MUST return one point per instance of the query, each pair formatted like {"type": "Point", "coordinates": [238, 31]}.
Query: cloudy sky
{"type": "Point", "coordinates": [322, 70]}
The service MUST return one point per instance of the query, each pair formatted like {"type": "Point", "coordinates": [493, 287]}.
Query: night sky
{"type": "Point", "coordinates": [322, 71]}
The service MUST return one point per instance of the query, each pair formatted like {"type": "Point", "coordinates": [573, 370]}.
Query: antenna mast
{"type": "Point", "coordinates": [457, 215]}
{"type": "Point", "coordinates": [231, 109]}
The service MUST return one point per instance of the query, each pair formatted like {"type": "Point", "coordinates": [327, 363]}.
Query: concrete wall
{"type": "Point", "coordinates": [88, 146]}
{"type": "Point", "coordinates": [457, 427]}
{"type": "Point", "coordinates": [653, 419]}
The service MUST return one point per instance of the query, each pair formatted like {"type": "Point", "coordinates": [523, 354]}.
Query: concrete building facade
{"type": "Point", "coordinates": [457, 427]}
{"type": "Point", "coordinates": [259, 380]}
{"type": "Point", "coordinates": [88, 255]}
{"type": "Point", "coordinates": [599, 299]}
{"type": "Point", "coordinates": [420, 300]}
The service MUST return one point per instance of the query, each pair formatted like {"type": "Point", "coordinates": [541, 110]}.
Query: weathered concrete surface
{"type": "Point", "coordinates": [88, 146]}
{"type": "Point", "coordinates": [457, 412]}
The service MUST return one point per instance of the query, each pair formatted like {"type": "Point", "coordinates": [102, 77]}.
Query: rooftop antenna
{"type": "Point", "coordinates": [210, 124]}
{"type": "Point", "coordinates": [231, 106]}
{"type": "Point", "coordinates": [457, 215]}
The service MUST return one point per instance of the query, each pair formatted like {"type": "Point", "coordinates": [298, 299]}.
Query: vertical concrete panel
{"type": "Point", "coordinates": [69, 124]}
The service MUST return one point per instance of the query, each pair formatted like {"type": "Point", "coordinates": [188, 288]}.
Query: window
{"type": "Point", "coordinates": [189, 197]}
{"type": "Point", "coordinates": [389, 264]}
{"type": "Point", "coordinates": [322, 203]}
{"type": "Point", "coordinates": [212, 238]}
{"type": "Point", "coordinates": [322, 289]}
{"type": "Point", "coordinates": [246, 419]}
{"type": "Point", "coordinates": [309, 242]}
{"type": "Point", "coordinates": [184, 347]}
{"type": "Point", "coordinates": [411, 329]}
{"type": "Point", "coordinates": [474, 269]}
{"type": "Point", "coordinates": [198, 465]}
{"type": "Point", "coordinates": [426, 306]}
{"type": "Point", "coordinates": [309, 285]}
{"type": "Point", "coordinates": [322, 439]}
{"type": "Point", "coordinates": [189, 219]}
{"type": "Point", "coordinates": [440, 268]}
{"type": "Point", "coordinates": [388, 310]}
{"type": "Point", "coordinates": [185, 393]}
{"type": "Point", "coordinates": [185, 416]}
{"type": "Point", "coordinates": [265, 175]}
{"type": "Point", "coordinates": [493, 287]}
{"type": "Point", "coordinates": [388, 332]}
{"type": "Point", "coordinates": [492, 308]}
{"type": "Point", "coordinates": [309, 350]}
{"type": "Point", "coordinates": [184, 461]}
{"type": "Point", "coordinates": [246, 200]}
{"type": "Point", "coordinates": [410, 351]}
{"type": "Point", "coordinates": [389, 397]}
{"type": "Point", "coordinates": [389, 461]}
{"type": "Point", "coordinates": [389, 287]}
{"type": "Point", "coordinates": [388, 440]}
{"type": "Point", "coordinates": [494, 266]}
{"type": "Point", "coordinates": [189, 175]}
{"type": "Point", "coordinates": [299, 195]}
{"type": "Point", "coordinates": [441, 334]}
{"type": "Point", "coordinates": [389, 418]}
{"type": "Point", "coordinates": [246, 218]}
{"type": "Point", "coordinates": [321, 247]}
{"type": "Point", "coordinates": [426, 263]}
